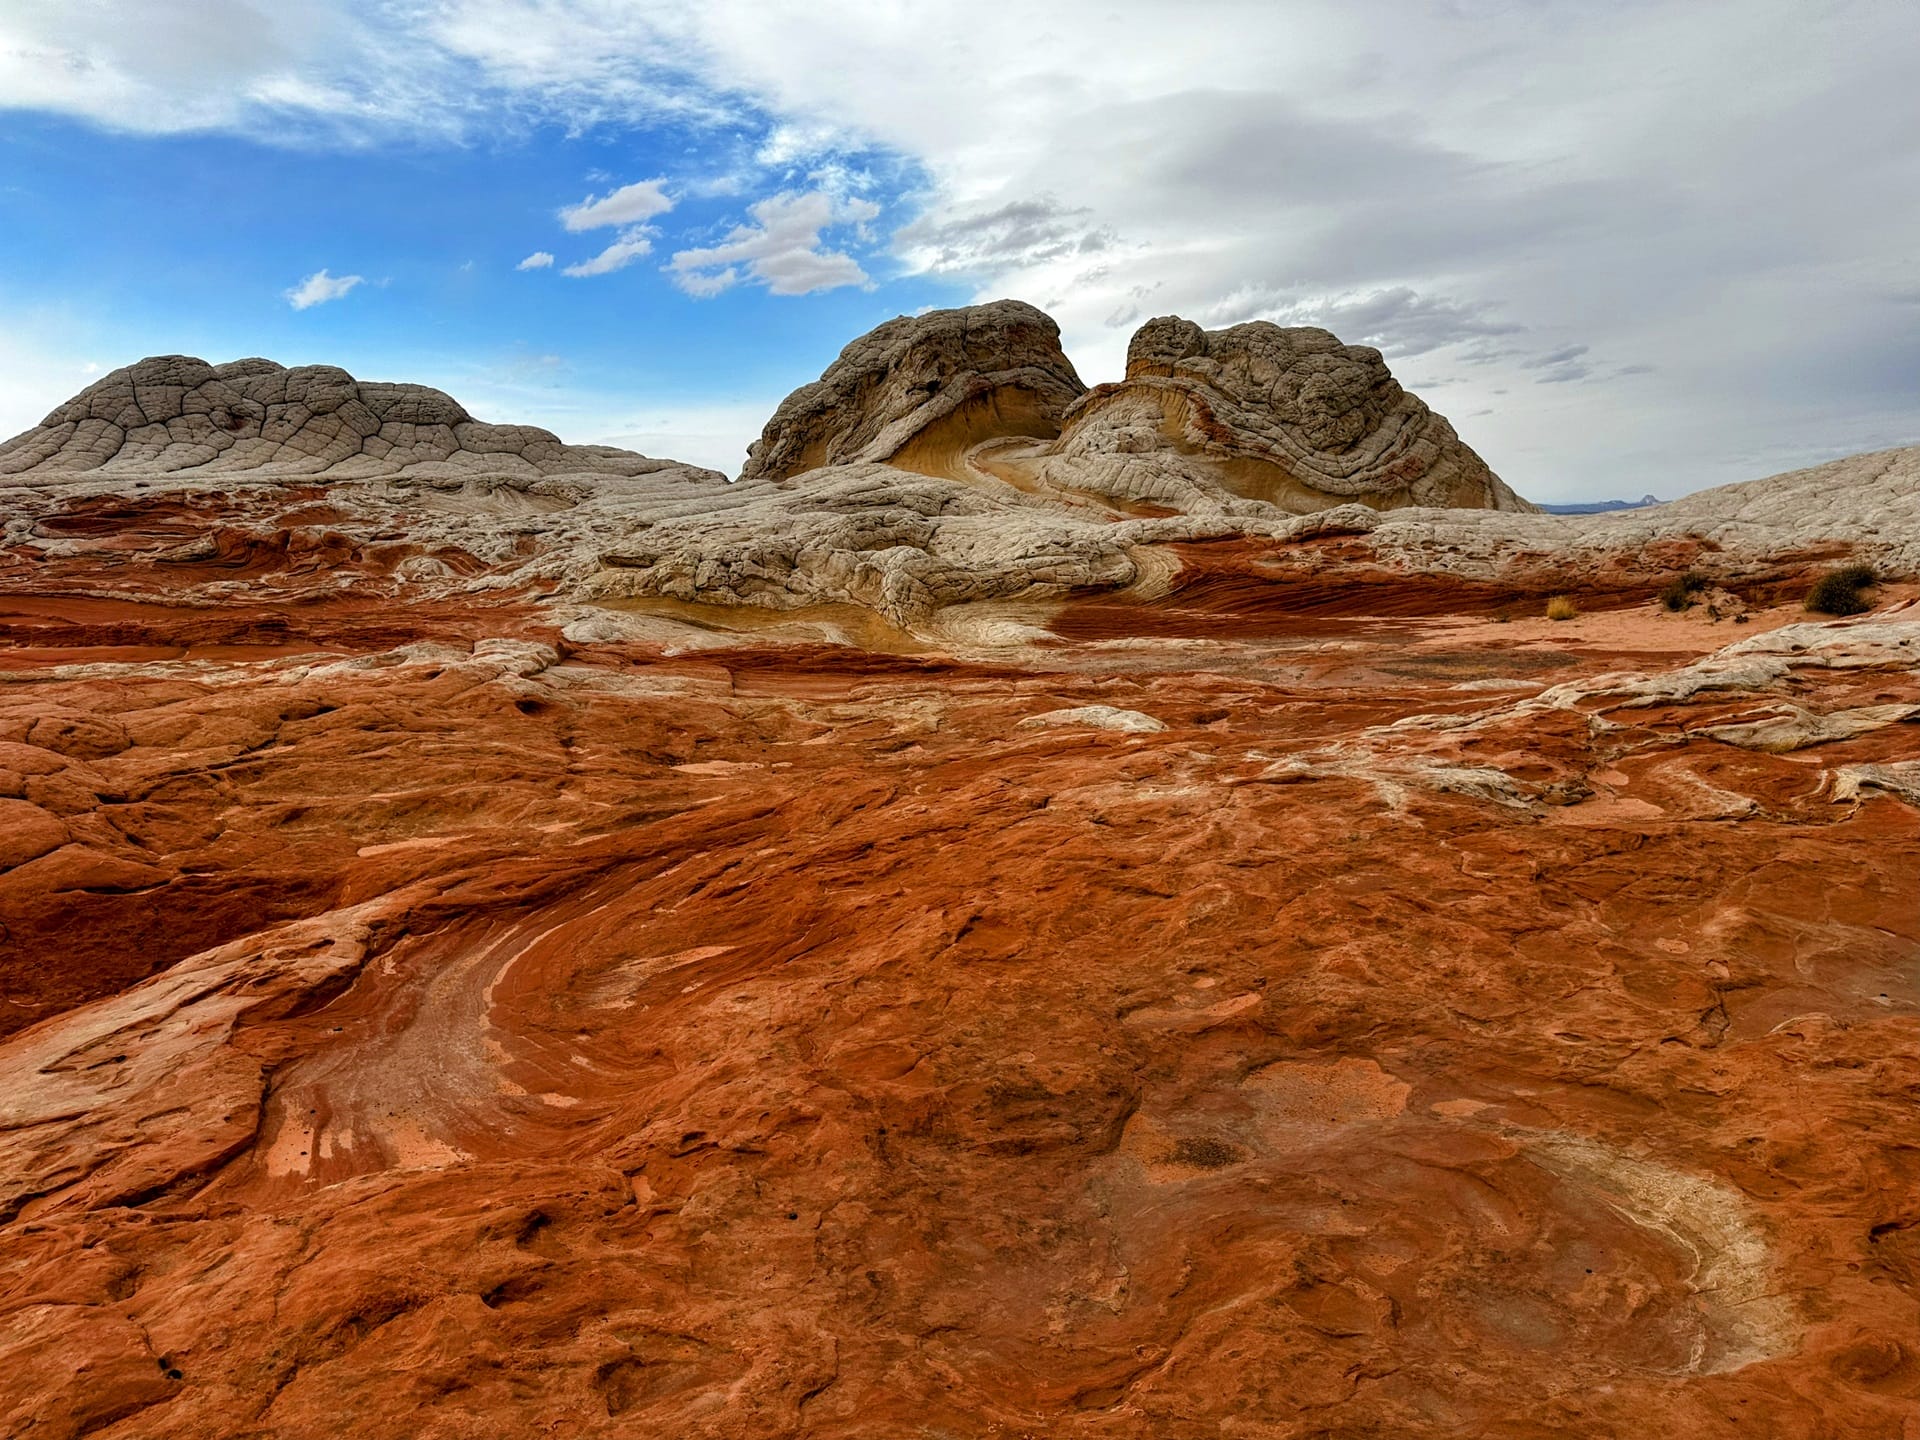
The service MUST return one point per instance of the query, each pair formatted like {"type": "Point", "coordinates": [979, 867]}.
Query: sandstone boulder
{"type": "Point", "coordinates": [920, 389]}
{"type": "Point", "coordinates": [1287, 416]}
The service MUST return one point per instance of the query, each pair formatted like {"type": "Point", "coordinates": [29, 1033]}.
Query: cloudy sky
{"type": "Point", "coordinates": [1626, 245]}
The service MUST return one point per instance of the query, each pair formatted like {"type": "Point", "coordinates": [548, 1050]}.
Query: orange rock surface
{"type": "Point", "coordinates": [418, 1025]}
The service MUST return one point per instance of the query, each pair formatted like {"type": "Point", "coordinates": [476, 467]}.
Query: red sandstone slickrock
{"type": "Point", "coordinates": [1034, 912]}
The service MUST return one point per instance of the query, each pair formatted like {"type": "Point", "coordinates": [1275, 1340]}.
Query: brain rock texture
{"type": "Point", "coordinates": [171, 413]}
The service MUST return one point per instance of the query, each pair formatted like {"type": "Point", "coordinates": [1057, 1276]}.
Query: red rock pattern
{"type": "Point", "coordinates": [421, 1025]}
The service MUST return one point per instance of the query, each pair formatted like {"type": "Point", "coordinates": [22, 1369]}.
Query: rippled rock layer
{"type": "Point", "coordinates": [869, 953]}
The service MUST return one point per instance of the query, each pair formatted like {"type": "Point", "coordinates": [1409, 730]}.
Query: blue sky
{"type": "Point", "coordinates": [130, 244]}
{"type": "Point", "coordinates": [1624, 246]}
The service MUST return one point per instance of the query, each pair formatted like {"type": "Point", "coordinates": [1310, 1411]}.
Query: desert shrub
{"type": "Point", "coordinates": [1678, 593]}
{"type": "Point", "coordinates": [1560, 607]}
{"type": "Point", "coordinates": [1838, 592]}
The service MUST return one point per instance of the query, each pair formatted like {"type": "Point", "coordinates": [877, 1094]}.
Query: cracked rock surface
{"type": "Point", "coordinates": [172, 413]}
{"type": "Point", "coordinates": [946, 462]}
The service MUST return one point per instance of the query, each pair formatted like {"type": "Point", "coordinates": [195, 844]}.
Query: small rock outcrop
{"type": "Point", "coordinates": [1287, 416]}
{"type": "Point", "coordinates": [901, 544]}
{"type": "Point", "coordinates": [170, 413]}
{"type": "Point", "coordinates": [922, 388]}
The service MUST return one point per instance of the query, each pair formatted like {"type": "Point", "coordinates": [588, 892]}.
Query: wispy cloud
{"type": "Point", "coordinates": [1397, 320]}
{"type": "Point", "coordinates": [629, 205]}
{"type": "Point", "coordinates": [1021, 232]}
{"type": "Point", "coordinates": [320, 287]}
{"type": "Point", "coordinates": [1560, 367]}
{"type": "Point", "coordinates": [538, 260]}
{"type": "Point", "coordinates": [631, 245]}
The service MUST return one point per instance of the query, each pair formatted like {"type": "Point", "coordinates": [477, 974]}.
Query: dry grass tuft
{"type": "Point", "coordinates": [1560, 607]}
{"type": "Point", "coordinates": [1838, 592]}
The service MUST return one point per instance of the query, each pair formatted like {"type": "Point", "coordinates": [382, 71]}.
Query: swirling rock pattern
{"type": "Point", "coordinates": [916, 946]}
{"type": "Point", "coordinates": [208, 480]}
{"type": "Point", "coordinates": [1286, 416]}
{"type": "Point", "coordinates": [485, 1032]}
{"type": "Point", "coordinates": [930, 384]}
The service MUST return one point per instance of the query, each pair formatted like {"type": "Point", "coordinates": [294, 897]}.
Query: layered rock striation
{"type": "Point", "coordinates": [1248, 420]}
{"type": "Point", "coordinates": [944, 461]}
{"type": "Point", "coordinates": [486, 1032]}
{"type": "Point", "coordinates": [206, 479]}
{"type": "Point", "coordinates": [955, 457]}
{"type": "Point", "coordinates": [1285, 416]}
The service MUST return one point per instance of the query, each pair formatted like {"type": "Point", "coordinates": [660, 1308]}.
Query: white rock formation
{"type": "Point", "coordinates": [1288, 417]}
{"type": "Point", "coordinates": [173, 413]}
{"type": "Point", "coordinates": [944, 460]}
{"type": "Point", "coordinates": [1867, 505]}
{"type": "Point", "coordinates": [1096, 717]}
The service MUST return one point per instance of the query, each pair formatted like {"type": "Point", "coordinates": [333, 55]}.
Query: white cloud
{"type": "Point", "coordinates": [538, 260]}
{"type": "Point", "coordinates": [789, 144]}
{"type": "Point", "coordinates": [1021, 232]}
{"type": "Point", "coordinates": [1398, 320]}
{"type": "Point", "coordinates": [631, 245]}
{"type": "Point", "coordinates": [629, 205]}
{"type": "Point", "coordinates": [321, 69]}
{"type": "Point", "coordinates": [320, 287]}
{"type": "Point", "coordinates": [704, 285]}
{"type": "Point", "coordinates": [781, 249]}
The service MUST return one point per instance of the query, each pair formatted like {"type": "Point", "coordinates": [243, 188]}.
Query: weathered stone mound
{"type": "Point", "coordinates": [903, 545]}
{"type": "Point", "coordinates": [1288, 416]}
{"type": "Point", "coordinates": [170, 413]}
{"type": "Point", "coordinates": [205, 481]}
{"type": "Point", "coordinates": [922, 388]}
